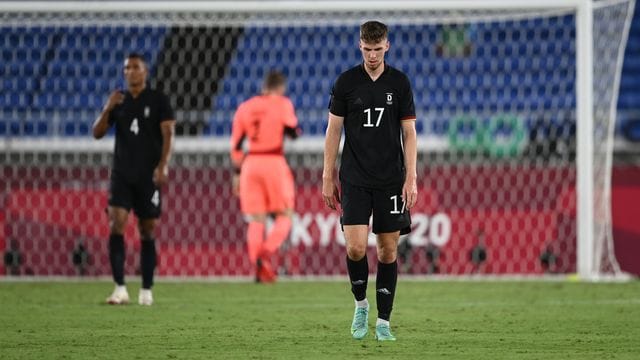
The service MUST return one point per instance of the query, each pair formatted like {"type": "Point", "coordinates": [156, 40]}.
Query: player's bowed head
{"type": "Point", "coordinates": [374, 44]}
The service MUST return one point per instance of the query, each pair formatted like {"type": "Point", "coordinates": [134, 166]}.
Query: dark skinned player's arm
{"type": "Point", "coordinates": [101, 125]}
{"type": "Point", "coordinates": [168, 134]}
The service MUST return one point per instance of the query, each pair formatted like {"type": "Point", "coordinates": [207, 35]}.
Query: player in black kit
{"type": "Point", "coordinates": [144, 131]}
{"type": "Point", "coordinates": [373, 102]}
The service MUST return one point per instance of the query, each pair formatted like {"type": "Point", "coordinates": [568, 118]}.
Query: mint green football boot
{"type": "Point", "coordinates": [359, 326]}
{"type": "Point", "coordinates": [383, 333]}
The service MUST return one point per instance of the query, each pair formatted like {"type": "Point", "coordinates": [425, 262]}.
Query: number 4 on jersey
{"type": "Point", "coordinates": [134, 126]}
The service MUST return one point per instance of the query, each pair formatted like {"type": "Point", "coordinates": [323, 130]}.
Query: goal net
{"type": "Point", "coordinates": [515, 108]}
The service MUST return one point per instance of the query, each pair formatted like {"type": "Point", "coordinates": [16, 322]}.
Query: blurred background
{"type": "Point", "coordinates": [495, 95]}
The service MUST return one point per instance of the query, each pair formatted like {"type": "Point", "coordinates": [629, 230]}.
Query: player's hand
{"type": "Point", "coordinates": [161, 175]}
{"type": "Point", "coordinates": [410, 192]}
{"type": "Point", "coordinates": [235, 184]}
{"type": "Point", "coordinates": [330, 193]}
{"type": "Point", "coordinates": [116, 98]}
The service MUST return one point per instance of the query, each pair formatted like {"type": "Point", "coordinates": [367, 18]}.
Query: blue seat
{"type": "Point", "coordinates": [13, 100]}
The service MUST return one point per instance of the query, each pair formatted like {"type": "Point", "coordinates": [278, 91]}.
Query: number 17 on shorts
{"type": "Point", "coordinates": [390, 212]}
{"type": "Point", "coordinates": [395, 201]}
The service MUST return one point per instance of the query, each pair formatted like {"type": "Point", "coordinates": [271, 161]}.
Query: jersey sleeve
{"type": "Point", "coordinates": [238, 134]}
{"type": "Point", "coordinates": [166, 111]}
{"type": "Point", "coordinates": [407, 107]}
{"type": "Point", "coordinates": [338, 102]}
{"type": "Point", "coordinates": [290, 119]}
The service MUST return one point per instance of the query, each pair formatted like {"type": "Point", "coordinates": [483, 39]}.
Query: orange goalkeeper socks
{"type": "Point", "coordinates": [277, 235]}
{"type": "Point", "coordinates": [255, 238]}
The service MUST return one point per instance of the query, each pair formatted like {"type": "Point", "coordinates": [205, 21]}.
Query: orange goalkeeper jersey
{"type": "Point", "coordinates": [262, 120]}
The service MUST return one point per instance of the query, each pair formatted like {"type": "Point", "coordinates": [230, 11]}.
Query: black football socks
{"type": "Point", "coordinates": [147, 261]}
{"type": "Point", "coordinates": [386, 288]}
{"type": "Point", "coordinates": [116, 257]}
{"type": "Point", "coordinates": [359, 275]}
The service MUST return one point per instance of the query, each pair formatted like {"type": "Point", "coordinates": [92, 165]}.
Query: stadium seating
{"type": "Point", "coordinates": [54, 80]}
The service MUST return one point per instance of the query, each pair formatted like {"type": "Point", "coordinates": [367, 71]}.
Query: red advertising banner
{"type": "Point", "coordinates": [493, 223]}
{"type": "Point", "coordinates": [2, 239]}
{"type": "Point", "coordinates": [482, 219]}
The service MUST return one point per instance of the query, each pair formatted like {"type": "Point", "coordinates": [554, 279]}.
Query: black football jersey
{"type": "Point", "coordinates": [373, 111]}
{"type": "Point", "coordinates": [138, 146]}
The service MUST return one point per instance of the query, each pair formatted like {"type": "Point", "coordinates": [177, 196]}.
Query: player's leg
{"type": "Point", "coordinates": [358, 269]}
{"type": "Point", "coordinates": [357, 264]}
{"type": "Point", "coordinates": [390, 220]}
{"type": "Point", "coordinates": [356, 206]}
{"type": "Point", "coordinates": [255, 234]}
{"type": "Point", "coordinates": [148, 208]}
{"type": "Point", "coordinates": [280, 200]}
{"type": "Point", "coordinates": [117, 222]}
{"type": "Point", "coordinates": [120, 201]}
{"type": "Point", "coordinates": [148, 259]}
{"type": "Point", "coordinates": [254, 207]}
{"type": "Point", "coordinates": [386, 280]}
{"type": "Point", "coordinates": [278, 233]}
{"type": "Point", "coordinates": [255, 242]}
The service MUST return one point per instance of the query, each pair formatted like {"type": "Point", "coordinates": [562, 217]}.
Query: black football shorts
{"type": "Point", "coordinates": [386, 205]}
{"type": "Point", "coordinates": [144, 197]}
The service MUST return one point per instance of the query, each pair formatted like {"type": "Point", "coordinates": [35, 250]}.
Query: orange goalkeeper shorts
{"type": "Point", "coordinates": [266, 184]}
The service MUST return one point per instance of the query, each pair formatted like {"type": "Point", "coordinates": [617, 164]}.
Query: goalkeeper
{"type": "Point", "coordinates": [262, 178]}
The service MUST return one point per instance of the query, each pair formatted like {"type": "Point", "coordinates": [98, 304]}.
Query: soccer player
{"type": "Point", "coordinates": [144, 131]}
{"type": "Point", "coordinates": [373, 102]}
{"type": "Point", "coordinates": [262, 177]}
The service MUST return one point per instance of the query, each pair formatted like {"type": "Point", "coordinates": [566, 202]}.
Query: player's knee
{"type": "Point", "coordinates": [146, 233]}
{"type": "Point", "coordinates": [256, 218]}
{"type": "Point", "coordinates": [117, 219]}
{"type": "Point", "coordinates": [287, 213]}
{"type": "Point", "coordinates": [146, 229]}
{"type": "Point", "coordinates": [387, 254]}
{"type": "Point", "coordinates": [116, 225]}
{"type": "Point", "coordinates": [356, 252]}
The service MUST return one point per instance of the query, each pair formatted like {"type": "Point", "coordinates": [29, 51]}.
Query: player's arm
{"type": "Point", "coordinates": [291, 128]}
{"type": "Point", "coordinates": [331, 146]}
{"type": "Point", "coordinates": [101, 125]}
{"type": "Point", "coordinates": [238, 135]}
{"type": "Point", "coordinates": [292, 132]}
{"type": "Point", "coordinates": [161, 173]}
{"type": "Point", "coordinates": [410, 142]}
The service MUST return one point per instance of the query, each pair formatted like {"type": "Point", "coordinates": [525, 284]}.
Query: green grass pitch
{"type": "Point", "coordinates": [306, 320]}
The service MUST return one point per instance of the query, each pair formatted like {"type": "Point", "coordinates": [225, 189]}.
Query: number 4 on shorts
{"type": "Point", "coordinates": [155, 199]}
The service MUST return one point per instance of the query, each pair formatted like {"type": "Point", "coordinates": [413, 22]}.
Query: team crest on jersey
{"type": "Point", "coordinates": [146, 111]}
{"type": "Point", "coordinates": [389, 98]}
